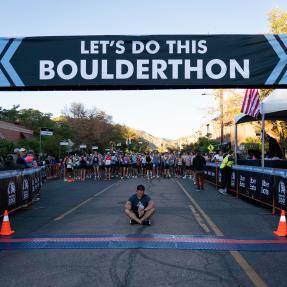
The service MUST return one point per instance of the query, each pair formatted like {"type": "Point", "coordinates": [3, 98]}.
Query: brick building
{"type": "Point", "coordinates": [14, 132]}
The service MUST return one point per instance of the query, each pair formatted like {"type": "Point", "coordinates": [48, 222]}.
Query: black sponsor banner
{"type": "Point", "coordinates": [142, 62]}
{"type": "Point", "coordinates": [233, 180]}
{"type": "Point", "coordinates": [243, 182]}
{"type": "Point", "coordinates": [281, 193]}
{"type": "Point", "coordinates": [210, 173]}
{"type": "Point", "coordinates": [266, 188]}
{"type": "Point", "coordinates": [258, 186]}
{"type": "Point", "coordinates": [219, 177]}
{"type": "Point", "coordinates": [19, 187]}
{"type": "Point", "coordinates": [11, 192]}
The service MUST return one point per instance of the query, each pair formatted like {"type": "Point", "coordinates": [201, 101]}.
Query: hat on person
{"type": "Point", "coordinates": [22, 149]}
{"type": "Point", "coordinates": [16, 150]}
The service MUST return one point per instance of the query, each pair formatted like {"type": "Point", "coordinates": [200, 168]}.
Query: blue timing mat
{"type": "Point", "coordinates": [144, 241]}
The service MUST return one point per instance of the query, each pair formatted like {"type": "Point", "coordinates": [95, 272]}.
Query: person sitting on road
{"type": "Point", "coordinates": [140, 208]}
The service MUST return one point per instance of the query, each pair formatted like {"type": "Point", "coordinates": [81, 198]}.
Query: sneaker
{"type": "Point", "coordinates": [146, 222]}
{"type": "Point", "coordinates": [222, 191]}
{"type": "Point", "coordinates": [198, 189]}
{"type": "Point", "coordinates": [133, 221]}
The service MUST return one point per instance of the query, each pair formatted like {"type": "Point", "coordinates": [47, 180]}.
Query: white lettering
{"type": "Point", "coordinates": [72, 65]}
{"type": "Point", "coordinates": [170, 44]}
{"type": "Point", "coordinates": [137, 47]}
{"type": "Point", "coordinates": [222, 71]}
{"type": "Point", "coordinates": [202, 47]}
{"type": "Point", "coordinates": [175, 64]}
{"type": "Point", "coordinates": [235, 66]}
{"type": "Point", "coordinates": [83, 48]}
{"type": "Point", "coordinates": [93, 74]}
{"type": "Point", "coordinates": [149, 48]}
{"type": "Point", "coordinates": [46, 70]}
{"type": "Point", "coordinates": [119, 69]}
{"type": "Point", "coordinates": [198, 69]}
{"type": "Point", "coordinates": [105, 74]}
{"type": "Point", "coordinates": [158, 68]}
{"type": "Point", "coordinates": [141, 69]}
{"type": "Point", "coordinates": [120, 47]}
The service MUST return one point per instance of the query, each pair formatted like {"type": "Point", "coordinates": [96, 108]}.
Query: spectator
{"type": "Point", "coordinates": [20, 157]}
{"type": "Point", "coordinates": [198, 165]}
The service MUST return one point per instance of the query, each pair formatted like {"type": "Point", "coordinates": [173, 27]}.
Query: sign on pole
{"type": "Point", "coordinates": [210, 148]}
{"type": "Point", "coordinates": [46, 132]}
{"type": "Point", "coordinates": [95, 147]}
{"type": "Point", "coordinates": [83, 146]}
{"type": "Point", "coordinates": [143, 62]}
{"type": "Point", "coordinates": [64, 143]}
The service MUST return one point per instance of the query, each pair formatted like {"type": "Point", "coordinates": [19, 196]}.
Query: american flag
{"type": "Point", "coordinates": [251, 103]}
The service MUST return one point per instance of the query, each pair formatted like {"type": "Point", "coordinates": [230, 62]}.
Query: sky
{"type": "Point", "coordinates": [162, 113]}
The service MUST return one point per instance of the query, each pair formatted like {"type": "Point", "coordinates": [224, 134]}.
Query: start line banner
{"type": "Point", "coordinates": [143, 62]}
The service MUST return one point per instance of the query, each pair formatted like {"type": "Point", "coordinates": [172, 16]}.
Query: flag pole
{"type": "Point", "coordinates": [263, 136]}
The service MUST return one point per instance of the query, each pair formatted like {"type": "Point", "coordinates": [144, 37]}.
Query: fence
{"type": "Point", "coordinates": [18, 188]}
{"type": "Point", "coordinates": [265, 185]}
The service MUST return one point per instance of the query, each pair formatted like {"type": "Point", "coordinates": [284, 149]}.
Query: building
{"type": "Point", "coordinates": [13, 132]}
{"type": "Point", "coordinates": [212, 130]}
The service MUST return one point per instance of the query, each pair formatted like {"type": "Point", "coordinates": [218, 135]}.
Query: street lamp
{"type": "Point", "coordinates": [221, 112]}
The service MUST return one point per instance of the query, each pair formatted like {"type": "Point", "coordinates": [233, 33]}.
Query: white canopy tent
{"type": "Point", "coordinates": [274, 107]}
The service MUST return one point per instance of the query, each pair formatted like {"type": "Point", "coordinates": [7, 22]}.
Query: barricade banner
{"type": "Point", "coordinates": [210, 173]}
{"type": "Point", "coordinates": [18, 187]}
{"type": "Point", "coordinates": [280, 193]}
{"type": "Point", "coordinates": [233, 181]}
{"type": "Point", "coordinates": [243, 181]}
{"type": "Point", "coordinates": [266, 188]}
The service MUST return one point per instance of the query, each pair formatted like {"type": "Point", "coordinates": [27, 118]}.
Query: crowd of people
{"type": "Point", "coordinates": [121, 165]}
{"type": "Point", "coordinates": [23, 159]}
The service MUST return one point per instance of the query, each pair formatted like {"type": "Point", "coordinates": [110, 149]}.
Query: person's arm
{"type": "Point", "coordinates": [128, 205]}
{"type": "Point", "coordinates": [150, 205]}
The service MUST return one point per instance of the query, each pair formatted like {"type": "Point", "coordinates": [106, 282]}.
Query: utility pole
{"type": "Point", "coordinates": [221, 115]}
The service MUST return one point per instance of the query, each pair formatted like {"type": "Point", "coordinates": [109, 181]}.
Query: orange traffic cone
{"type": "Point", "coordinates": [282, 228]}
{"type": "Point", "coordinates": [6, 228]}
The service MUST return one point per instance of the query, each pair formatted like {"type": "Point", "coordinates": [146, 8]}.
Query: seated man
{"type": "Point", "coordinates": [139, 208]}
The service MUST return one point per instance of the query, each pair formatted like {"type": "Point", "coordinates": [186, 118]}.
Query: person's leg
{"type": "Point", "coordinates": [132, 215]}
{"type": "Point", "coordinates": [148, 214]}
{"type": "Point", "coordinates": [197, 179]}
{"type": "Point", "coordinates": [201, 180]}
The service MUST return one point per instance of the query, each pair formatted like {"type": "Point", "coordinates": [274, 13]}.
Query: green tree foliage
{"type": "Point", "coordinates": [79, 124]}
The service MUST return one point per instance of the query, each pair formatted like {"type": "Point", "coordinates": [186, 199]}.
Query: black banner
{"type": "Point", "coordinates": [143, 62]}
{"type": "Point", "coordinates": [18, 188]}
{"type": "Point", "coordinates": [281, 193]}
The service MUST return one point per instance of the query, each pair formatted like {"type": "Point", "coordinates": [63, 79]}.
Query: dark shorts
{"type": "Point", "coordinates": [149, 166]}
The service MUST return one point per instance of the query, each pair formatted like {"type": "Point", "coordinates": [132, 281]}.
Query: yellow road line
{"type": "Point", "coordinates": [250, 272]}
{"type": "Point", "coordinates": [83, 203]}
{"type": "Point", "coordinates": [199, 219]}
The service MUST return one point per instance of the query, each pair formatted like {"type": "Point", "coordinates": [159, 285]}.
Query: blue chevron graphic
{"type": "Point", "coordinates": [3, 81]}
{"type": "Point", "coordinates": [5, 61]}
{"type": "Point", "coordinates": [284, 79]}
{"type": "Point", "coordinates": [282, 59]}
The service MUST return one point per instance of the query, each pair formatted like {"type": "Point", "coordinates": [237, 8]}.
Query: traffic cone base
{"type": "Point", "coordinates": [6, 228]}
{"type": "Point", "coordinates": [282, 228]}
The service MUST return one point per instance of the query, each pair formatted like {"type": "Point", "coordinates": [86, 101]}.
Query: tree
{"type": "Point", "coordinates": [278, 21]}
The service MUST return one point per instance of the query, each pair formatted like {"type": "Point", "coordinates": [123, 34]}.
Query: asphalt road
{"type": "Point", "coordinates": [96, 208]}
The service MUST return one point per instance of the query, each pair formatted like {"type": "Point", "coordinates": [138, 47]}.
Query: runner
{"type": "Point", "coordinates": [95, 162]}
{"type": "Point", "coordinates": [108, 161]}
